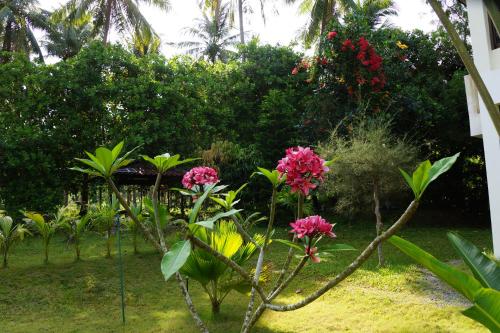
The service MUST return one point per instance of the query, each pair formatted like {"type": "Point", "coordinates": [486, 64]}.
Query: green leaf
{"type": "Point", "coordinates": [486, 271]}
{"type": "Point", "coordinates": [409, 181]}
{"type": "Point", "coordinates": [273, 176]}
{"type": "Point", "coordinates": [486, 309]}
{"type": "Point", "coordinates": [197, 206]}
{"type": "Point", "coordinates": [289, 244]}
{"type": "Point", "coordinates": [460, 281]}
{"type": "Point", "coordinates": [438, 168]}
{"type": "Point", "coordinates": [337, 247]}
{"type": "Point", "coordinates": [174, 259]}
{"type": "Point", "coordinates": [420, 176]}
{"type": "Point", "coordinates": [210, 222]}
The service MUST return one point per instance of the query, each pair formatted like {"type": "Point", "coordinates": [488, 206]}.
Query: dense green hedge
{"type": "Point", "coordinates": [51, 113]}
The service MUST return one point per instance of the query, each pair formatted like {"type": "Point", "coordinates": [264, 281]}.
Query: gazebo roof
{"type": "Point", "coordinates": [144, 174]}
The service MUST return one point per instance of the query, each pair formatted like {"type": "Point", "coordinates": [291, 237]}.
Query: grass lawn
{"type": "Point", "coordinates": [65, 296]}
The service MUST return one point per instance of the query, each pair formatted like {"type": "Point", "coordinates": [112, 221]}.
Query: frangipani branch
{"type": "Point", "coordinates": [407, 215]}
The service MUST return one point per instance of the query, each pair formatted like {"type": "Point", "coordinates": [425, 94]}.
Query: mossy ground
{"type": "Point", "coordinates": [68, 296]}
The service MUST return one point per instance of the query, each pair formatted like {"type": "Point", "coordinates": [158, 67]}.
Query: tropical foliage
{"type": "Point", "coordinates": [482, 288]}
{"type": "Point", "coordinates": [10, 234]}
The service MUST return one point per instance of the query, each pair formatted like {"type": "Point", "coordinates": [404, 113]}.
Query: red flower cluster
{"type": "Point", "coordinates": [311, 227]}
{"type": "Point", "coordinates": [303, 168]}
{"type": "Point", "coordinates": [331, 35]}
{"type": "Point", "coordinates": [199, 176]}
{"type": "Point", "coordinates": [347, 45]}
{"type": "Point", "coordinates": [303, 65]}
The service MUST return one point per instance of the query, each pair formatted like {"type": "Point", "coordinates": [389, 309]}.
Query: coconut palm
{"type": "Point", "coordinates": [46, 229]}
{"type": "Point", "coordinates": [103, 218]}
{"type": "Point", "coordinates": [214, 34]}
{"type": "Point", "coordinates": [132, 227]}
{"type": "Point", "coordinates": [143, 43]}
{"type": "Point", "coordinates": [236, 7]}
{"type": "Point", "coordinates": [65, 39]}
{"type": "Point", "coordinates": [75, 228]}
{"type": "Point", "coordinates": [375, 12]}
{"type": "Point", "coordinates": [10, 234]}
{"type": "Point", "coordinates": [107, 14]}
{"type": "Point", "coordinates": [321, 12]}
{"type": "Point", "coordinates": [18, 18]}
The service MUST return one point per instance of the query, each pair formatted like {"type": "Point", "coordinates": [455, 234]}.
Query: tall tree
{"type": "Point", "coordinates": [18, 18]}
{"type": "Point", "coordinates": [214, 36]}
{"type": "Point", "coordinates": [235, 8]}
{"type": "Point", "coordinates": [144, 43]}
{"type": "Point", "coordinates": [119, 14]}
{"type": "Point", "coordinates": [66, 39]}
{"type": "Point", "coordinates": [321, 12]}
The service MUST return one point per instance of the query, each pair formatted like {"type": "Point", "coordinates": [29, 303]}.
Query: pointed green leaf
{"type": "Point", "coordinates": [289, 244]}
{"type": "Point", "coordinates": [336, 247]}
{"type": "Point", "coordinates": [486, 309]}
{"type": "Point", "coordinates": [409, 181]}
{"type": "Point", "coordinates": [438, 168]}
{"type": "Point", "coordinates": [420, 176]}
{"type": "Point", "coordinates": [460, 281]}
{"type": "Point", "coordinates": [174, 259]}
{"type": "Point", "coordinates": [486, 271]}
{"type": "Point", "coordinates": [197, 206]}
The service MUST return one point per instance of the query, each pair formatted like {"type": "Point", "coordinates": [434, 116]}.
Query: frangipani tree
{"type": "Point", "coordinates": [303, 171]}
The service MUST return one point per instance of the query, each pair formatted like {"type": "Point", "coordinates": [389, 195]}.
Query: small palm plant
{"type": "Point", "coordinates": [132, 227]}
{"type": "Point", "coordinates": [103, 218]}
{"type": "Point", "coordinates": [10, 234]}
{"type": "Point", "coordinates": [75, 228]}
{"type": "Point", "coordinates": [46, 229]}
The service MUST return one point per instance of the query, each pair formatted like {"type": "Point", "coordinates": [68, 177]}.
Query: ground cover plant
{"type": "Point", "coordinates": [65, 296]}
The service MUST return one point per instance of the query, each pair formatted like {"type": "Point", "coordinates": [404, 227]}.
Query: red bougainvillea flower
{"type": "Point", "coordinates": [311, 227]}
{"type": "Point", "coordinates": [199, 176]}
{"type": "Point", "coordinates": [331, 35]}
{"type": "Point", "coordinates": [303, 168]}
{"type": "Point", "coordinates": [347, 44]}
{"type": "Point", "coordinates": [311, 252]}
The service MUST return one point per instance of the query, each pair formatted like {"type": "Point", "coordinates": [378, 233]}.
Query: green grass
{"type": "Point", "coordinates": [68, 296]}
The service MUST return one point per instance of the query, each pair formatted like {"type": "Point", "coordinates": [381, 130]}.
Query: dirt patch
{"type": "Point", "coordinates": [440, 293]}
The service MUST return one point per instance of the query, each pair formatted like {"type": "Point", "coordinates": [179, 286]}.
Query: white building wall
{"type": "Point", "coordinates": [488, 63]}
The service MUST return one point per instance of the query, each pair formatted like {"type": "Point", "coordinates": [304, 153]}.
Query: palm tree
{"type": "Point", "coordinates": [46, 229]}
{"type": "Point", "coordinates": [18, 18]}
{"type": "Point", "coordinates": [144, 43]}
{"type": "Point", "coordinates": [214, 34]}
{"type": "Point", "coordinates": [10, 234]}
{"type": "Point", "coordinates": [235, 7]}
{"type": "Point", "coordinates": [120, 14]}
{"type": "Point", "coordinates": [321, 13]}
{"type": "Point", "coordinates": [66, 39]}
{"type": "Point", "coordinates": [374, 11]}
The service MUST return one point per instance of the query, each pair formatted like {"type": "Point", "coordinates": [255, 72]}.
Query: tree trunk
{"type": "Point", "coordinates": [5, 258]}
{"type": "Point", "coordinates": [77, 248]}
{"type": "Point", "coordinates": [84, 202]}
{"type": "Point", "coordinates": [108, 245]}
{"type": "Point", "coordinates": [379, 224]}
{"type": "Point", "coordinates": [240, 14]}
{"type": "Point", "coordinates": [135, 243]}
{"type": "Point", "coordinates": [7, 40]}
{"type": "Point", "coordinates": [107, 21]}
{"type": "Point", "coordinates": [46, 261]}
{"type": "Point", "coordinates": [215, 308]}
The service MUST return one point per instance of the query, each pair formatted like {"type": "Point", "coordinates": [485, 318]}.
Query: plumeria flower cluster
{"type": "Point", "coordinates": [303, 65]}
{"type": "Point", "coordinates": [304, 169]}
{"type": "Point", "coordinates": [201, 175]}
{"type": "Point", "coordinates": [311, 229]}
